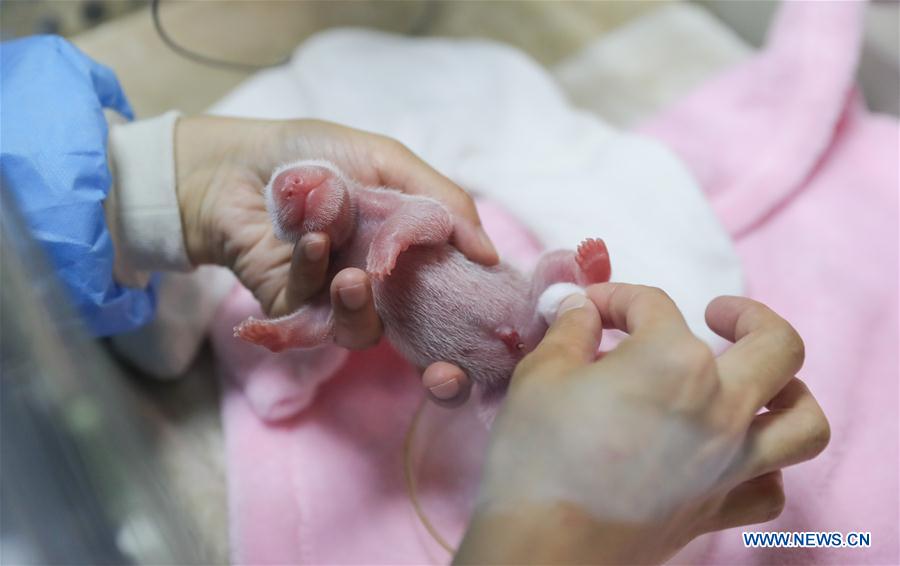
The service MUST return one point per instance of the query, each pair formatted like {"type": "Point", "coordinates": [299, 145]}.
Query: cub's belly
{"type": "Point", "coordinates": [438, 306]}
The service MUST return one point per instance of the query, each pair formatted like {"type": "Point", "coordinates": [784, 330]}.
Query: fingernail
{"type": "Point", "coordinates": [314, 249]}
{"type": "Point", "coordinates": [486, 241]}
{"type": "Point", "coordinates": [354, 296]}
{"type": "Point", "coordinates": [447, 390]}
{"type": "Point", "coordinates": [574, 301]}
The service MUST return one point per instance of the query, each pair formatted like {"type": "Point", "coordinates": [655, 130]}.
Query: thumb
{"type": "Point", "coordinates": [571, 341]}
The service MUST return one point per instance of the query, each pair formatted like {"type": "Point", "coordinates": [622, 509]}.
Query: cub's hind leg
{"type": "Point", "coordinates": [309, 327]}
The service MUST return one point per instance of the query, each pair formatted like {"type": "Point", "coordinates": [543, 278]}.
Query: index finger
{"type": "Point", "coordinates": [570, 342]}
{"type": "Point", "coordinates": [400, 168]}
{"type": "Point", "coordinates": [636, 309]}
{"type": "Point", "coordinates": [309, 266]}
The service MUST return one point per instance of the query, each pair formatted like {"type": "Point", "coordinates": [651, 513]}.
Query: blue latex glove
{"type": "Point", "coordinates": [53, 138]}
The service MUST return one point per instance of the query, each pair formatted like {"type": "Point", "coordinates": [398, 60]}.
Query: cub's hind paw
{"type": "Point", "coordinates": [592, 258]}
{"type": "Point", "coordinates": [261, 333]}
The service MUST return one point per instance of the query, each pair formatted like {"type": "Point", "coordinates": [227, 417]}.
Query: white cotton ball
{"type": "Point", "coordinates": [549, 301]}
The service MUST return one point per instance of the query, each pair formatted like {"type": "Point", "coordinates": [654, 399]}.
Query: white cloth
{"type": "Point", "coordinates": [496, 123]}
{"type": "Point", "coordinates": [186, 303]}
{"type": "Point", "coordinates": [144, 218]}
{"type": "Point", "coordinates": [142, 209]}
{"type": "Point", "coordinates": [650, 62]}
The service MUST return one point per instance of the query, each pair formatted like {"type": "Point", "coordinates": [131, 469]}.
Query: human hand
{"type": "Point", "coordinates": [222, 165]}
{"type": "Point", "coordinates": [626, 459]}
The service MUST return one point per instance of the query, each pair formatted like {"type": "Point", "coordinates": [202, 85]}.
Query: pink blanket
{"type": "Point", "coordinates": [806, 180]}
{"type": "Point", "coordinates": [327, 486]}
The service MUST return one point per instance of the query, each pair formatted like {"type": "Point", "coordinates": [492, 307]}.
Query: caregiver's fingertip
{"type": "Point", "coordinates": [447, 390]}
{"type": "Point", "coordinates": [471, 239]}
{"type": "Point", "coordinates": [314, 247]}
{"type": "Point", "coordinates": [306, 275]}
{"type": "Point", "coordinates": [572, 338]}
{"type": "Point", "coordinates": [354, 297]}
{"type": "Point", "coordinates": [572, 302]}
{"type": "Point", "coordinates": [356, 323]}
{"type": "Point", "coordinates": [491, 255]}
{"type": "Point", "coordinates": [447, 384]}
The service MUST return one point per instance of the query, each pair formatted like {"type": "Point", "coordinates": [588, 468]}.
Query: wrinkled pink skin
{"type": "Point", "coordinates": [436, 305]}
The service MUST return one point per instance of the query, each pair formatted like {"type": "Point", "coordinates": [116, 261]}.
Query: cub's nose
{"type": "Point", "coordinates": [294, 184]}
{"type": "Point", "coordinates": [290, 193]}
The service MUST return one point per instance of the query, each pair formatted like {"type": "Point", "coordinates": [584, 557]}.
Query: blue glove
{"type": "Point", "coordinates": [53, 138]}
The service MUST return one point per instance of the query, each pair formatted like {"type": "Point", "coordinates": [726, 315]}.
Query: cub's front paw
{"type": "Point", "coordinates": [381, 261]}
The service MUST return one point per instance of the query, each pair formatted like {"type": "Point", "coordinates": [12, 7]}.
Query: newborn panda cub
{"type": "Point", "coordinates": [435, 304]}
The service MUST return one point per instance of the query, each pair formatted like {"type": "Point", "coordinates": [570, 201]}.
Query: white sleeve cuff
{"type": "Point", "coordinates": [142, 208]}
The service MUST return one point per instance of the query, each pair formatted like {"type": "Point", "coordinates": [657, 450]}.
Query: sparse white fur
{"type": "Point", "coordinates": [435, 303]}
{"type": "Point", "coordinates": [550, 299]}
{"type": "Point", "coordinates": [273, 210]}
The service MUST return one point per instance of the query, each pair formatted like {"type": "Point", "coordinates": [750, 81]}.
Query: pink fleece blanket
{"type": "Point", "coordinates": [806, 181]}
{"type": "Point", "coordinates": [327, 486]}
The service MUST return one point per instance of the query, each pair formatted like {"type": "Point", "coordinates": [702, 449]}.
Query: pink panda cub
{"type": "Point", "coordinates": [435, 304]}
